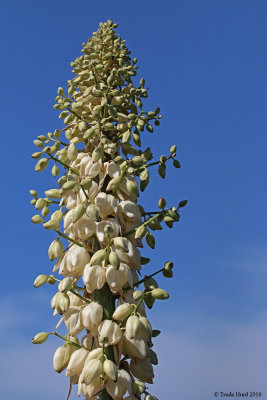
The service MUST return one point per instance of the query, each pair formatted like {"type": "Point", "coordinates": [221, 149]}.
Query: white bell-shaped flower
{"type": "Point", "coordinates": [103, 233]}
{"type": "Point", "coordinates": [76, 362]}
{"type": "Point", "coordinates": [123, 384]}
{"type": "Point", "coordinates": [136, 347]}
{"type": "Point", "coordinates": [94, 277]}
{"type": "Point", "coordinates": [74, 261]}
{"type": "Point", "coordinates": [118, 278]}
{"type": "Point", "coordinates": [87, 341]}
{"type": "Point", "coordinates": [110, 330]}
{"type": "Point", "coordinates": [89, 390]}
{"type": "Point", "coordinates": [107, 204]}
{"type": "Point", "coordinates": [132, 258]}
{"type": "Point", "coordinates": [92, 315]}
{"type": "Point", "coordinates": [142, 369]}
{"type": "Point", "coordinates": [83, 229]}
{"type": "Point", "coordinates": [72, 319]}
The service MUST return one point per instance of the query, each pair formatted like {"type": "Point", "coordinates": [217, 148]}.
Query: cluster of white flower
{"type": "Point", "coordinates": [108, 347]}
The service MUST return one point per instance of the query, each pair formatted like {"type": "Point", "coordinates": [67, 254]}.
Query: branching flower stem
{"type": "Point", "coordinates": [69, 239]}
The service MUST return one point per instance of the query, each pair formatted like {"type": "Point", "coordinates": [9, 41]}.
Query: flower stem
{"type": "Point", "coordinates": [68, 238]}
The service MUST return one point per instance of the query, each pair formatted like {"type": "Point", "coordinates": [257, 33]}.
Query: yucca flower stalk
{"type": "Point", "coordinates": [100, 168]}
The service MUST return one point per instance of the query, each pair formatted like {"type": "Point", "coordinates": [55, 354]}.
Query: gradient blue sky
{"type": "Point", "coordinates": [204, 63]}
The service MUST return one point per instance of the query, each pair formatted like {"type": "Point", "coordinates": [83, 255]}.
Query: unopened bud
{"type": "Point", "coordinates": [162, 203]}
{"type": "Point", "coordinates": [77, 213]}
{"type": "Point", "coordinates": [98, 257]}
{"type": "Point", "coordinates": [121, 244]}
{"type": "Point", "coordinates": [41, 165]}
{"type": "Point", "coordinates": [62, 303]}
{"type": "Point", "coordinates": [150, 240]}
{"type": "Point", "coordinates": [72, 152]}
{"type": "Point", "coordinates": [114, 259]}
{"type": "Point", "coordinates": [140, 232]}
{"type": "Point", "coordinates": [160, 294]}
{"type": "Point", "coordinates": [40, 338]}
{"type": "Point", "coordinates": [168, 266]}
{"type": "Point", "coordinates": [138, 388]}
{"type": "Point", "coordinates": [40, 280]}
{"type": "Point", "coordinates": [53, 193]}
{"type": "Point", "coordinates": [173, 149]}
{"type": "Point", "coordinates": [65, 284]}
{"type": "Point", "coordinates": [110, 370]}
{"type": "Point", "coordinates": [33, 193]}
{"type": "Point", "coordinates": [137, 295]}
{"type": "Point", "coordinates": [69, 185]}
{"type": "Point", "coordinates": [122, 312]}
{"type": "Point", "coordinates": [87, 183]}
{"type": "Point", "coordinates": [51, 224]}
{"type": "Point", "coordinates": [37, 219]}
{"type": "Point", "coordinates": [92, 212]}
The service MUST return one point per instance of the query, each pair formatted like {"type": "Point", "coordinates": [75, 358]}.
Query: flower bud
{"type": "Point", "coordinates": [51, 224]}
{"type": "Point", "coordinates": [150, 240]}
{"type": "Point", "coordinates": [92, 370]}
{"type": "Point", "coordinates": [33, 193]}
{"type": "Point", "coordinates": [138, 388]}
{"type": "Point", "coordinates": [51, 279]}
{"type": "Point", "coordinates": [58, 215]}
{"type": "Point", "coordinates": [72, 152]}
{"type": "Point", "coordinates": [41, 165]}
{"type": "Point", "coordinates": [40, 203]}
{"type": "Point", "coordinates": [62, 303]}
{"type": "Point", "coordinates": [37, 219]}
{"type": "Point", "coordinates": [77, 213]}
{"type": "Point", "coordinates": [40, 280]}
{"type": "Point", "coordinates": [168, 266]}
{"type": "Point", "coordinates": [110, 370]}
{"type": "Point", "coordinates": [55, 170]}
{"type": "Point", "coordinates": [162, 203]}
{"type": "Point", "coordinates": [61, 358]}
{"type": "Point", "coordinates": [98, 257]}
{"type": "Point", "coordinates": [92, 212]}
{"type": "Point", "coordinates": [87, 183]}
{"type": "Point", "coordinates": [40, 338]}
{"type": "Point", "coordinates": [69, 185]}
{"type": "Point", "coordinates": [140, 232]}
{"type": "Point", "coordinates": [137, 295]}
{"type": "Point", "coordinates": [160, 294]}
{"type": "Point", "coordinates": [173, 149]}
{"type": "Point", "coordinates": [45, 211]}
{"type": "Point", "coordinates": [132, 326]}
{"type": "Point", "coordinates": [53, 193]}
{"type": "Point", "coordinates": [76, 362]}
{"type": "Point", "coordinates": [55, 249]}
{"type": "Point", "coordinates": [145, 328]}
{"type": "Point", "coordinates": [114, 259]}
{"type": "Point", "coordinates": [122, 312]}
{"type": "Point", "coordinates": [65, 285]}
{"type": "Point", "coordinates": [121, 243]}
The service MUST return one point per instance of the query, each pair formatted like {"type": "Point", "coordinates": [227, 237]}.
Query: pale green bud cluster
{"type": "Point", "coordinates": [94, 212]}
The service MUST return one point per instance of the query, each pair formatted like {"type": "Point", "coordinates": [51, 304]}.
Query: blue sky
{"type": "Point", "coordinates": [204, 64]}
